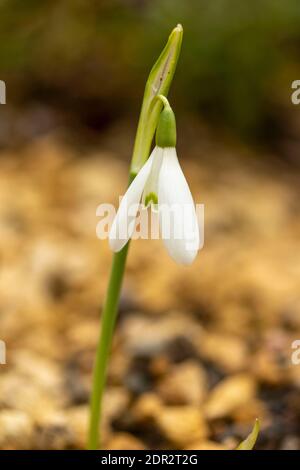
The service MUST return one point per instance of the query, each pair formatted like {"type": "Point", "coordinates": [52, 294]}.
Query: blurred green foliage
{"type": "Point", "coordinates": [237, 61]}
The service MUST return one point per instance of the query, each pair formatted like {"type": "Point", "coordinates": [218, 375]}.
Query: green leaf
{"type": "Point", "coordinates": [250, 441]}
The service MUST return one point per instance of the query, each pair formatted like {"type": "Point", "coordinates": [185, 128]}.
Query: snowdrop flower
{"type": "Point", "coordinates": [161, 184]}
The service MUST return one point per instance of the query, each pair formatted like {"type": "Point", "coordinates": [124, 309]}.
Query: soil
{"type": "Point", "coordinates": [198, 353]}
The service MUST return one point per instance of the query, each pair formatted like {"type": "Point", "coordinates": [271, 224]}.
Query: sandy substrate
{"type": "Point", "coordinates": [199, 352]}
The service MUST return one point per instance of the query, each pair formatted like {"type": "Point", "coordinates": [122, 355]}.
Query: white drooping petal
{"type": "Point", "coordinates": [178, 219]}
{"type": "Point", "coordinates": [124, 223]}
{"type": "Point", "coordinates": [150, 194]}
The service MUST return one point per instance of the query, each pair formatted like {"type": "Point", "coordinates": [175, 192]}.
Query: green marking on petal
{"type": "Point", "coordinates": [151, 198]}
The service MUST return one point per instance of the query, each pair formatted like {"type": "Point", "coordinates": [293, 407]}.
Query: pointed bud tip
{"type": "Point", "coordinates": [177, 31]}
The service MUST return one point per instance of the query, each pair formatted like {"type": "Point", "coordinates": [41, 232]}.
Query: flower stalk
{"type": "Point", "coordinates": [158, 83]}
{"type": "Point", "coordinates": [109, 315]}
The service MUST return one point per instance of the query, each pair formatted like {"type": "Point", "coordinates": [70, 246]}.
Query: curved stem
{"type": "Point", "coordinates": [164, 100]}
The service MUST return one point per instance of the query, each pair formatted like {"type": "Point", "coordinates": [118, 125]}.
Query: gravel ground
{"type": "Point", "coordinates": [199, 352]}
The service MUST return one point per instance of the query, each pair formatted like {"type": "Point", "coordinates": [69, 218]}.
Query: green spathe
{"type": "Point", "coordinates": [158, 83]}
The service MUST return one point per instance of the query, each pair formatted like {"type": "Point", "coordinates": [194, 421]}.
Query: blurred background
{"type": "Point", "coordinates": [199, 352]}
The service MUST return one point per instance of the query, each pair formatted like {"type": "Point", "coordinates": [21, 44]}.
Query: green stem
{"type": "Point", "coordinates": [109, 316]}
{"type": "Point", "coordinates": [108, 320]}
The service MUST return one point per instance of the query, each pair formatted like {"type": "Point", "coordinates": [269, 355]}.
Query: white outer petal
{"type": "Point", "coordinates": [174, 192]}
{"type": "Point", "coordinates": [124, 223]}
{"type": "Point", "coordinates": [151, 185]}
